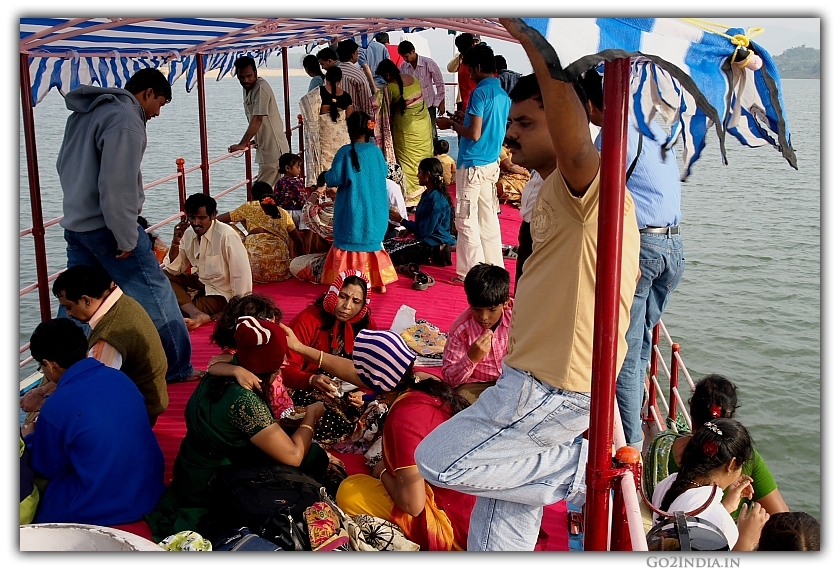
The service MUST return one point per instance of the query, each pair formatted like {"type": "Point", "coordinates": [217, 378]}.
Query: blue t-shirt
{"type": "Point", "coordinates": [373, 56]}
{"type": "Point", "coordinates": [655, 181]}
{"type": "Point", "coordinates": [360, 214]}
{"type": "Point", "coordinates": [490, 102]}
{"type": "Point", "coordinates": [94, 444]}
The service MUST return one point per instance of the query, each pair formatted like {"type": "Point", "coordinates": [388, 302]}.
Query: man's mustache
{"type": "Point", "coordinates": [512, 143]}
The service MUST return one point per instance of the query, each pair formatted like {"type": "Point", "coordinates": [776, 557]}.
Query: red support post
{"type": "Point", "coordinates": [182, 185]}
{"type": "Point", "coordinates": [38, 232]}
{"type": "Point", "coordinates": [250, 183]}
{"type": "Point", "coordinates": [675, 382]}
{"type": "Point", "coordinates": [202, 126]}
{"type": "Point", "coordinates": [607, 284]}
{"type": "Point", "coordinates": [620, 535]}
{"type": "Point", "coordinates": [287, 94]}
{"type": "Point", "coordinates": [654, 372]}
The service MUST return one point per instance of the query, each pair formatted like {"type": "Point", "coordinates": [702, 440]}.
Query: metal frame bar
{"type": "Point", "coordinates": [607, 289]}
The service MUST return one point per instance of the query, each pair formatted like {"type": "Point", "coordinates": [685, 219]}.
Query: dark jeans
{"type": "Point", "coordinates": [526, 247]}
{"type": "Point", "coordinates": [139, 276]}
{"type": "Point", "coordinates": [433, 113]}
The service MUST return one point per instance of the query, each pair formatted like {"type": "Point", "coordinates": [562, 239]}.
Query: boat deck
{"type": "Point", "coordinates": [439, 304]}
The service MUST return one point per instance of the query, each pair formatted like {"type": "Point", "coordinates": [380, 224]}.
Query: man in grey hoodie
{"type": "Point", "coordinates": [99, 170]}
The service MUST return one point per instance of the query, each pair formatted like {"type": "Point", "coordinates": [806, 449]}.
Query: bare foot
{"type": "Point", "coordinates": [195, 322]}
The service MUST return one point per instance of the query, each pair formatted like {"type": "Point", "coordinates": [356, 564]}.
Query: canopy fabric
{"type": "Point", "coordinates": [682, 72]}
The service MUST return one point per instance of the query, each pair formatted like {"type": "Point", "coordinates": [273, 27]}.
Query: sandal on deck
{"type": "Point", "coordinates": [409, 269]}
{"type": "Point", "coordinates": [422, 281]}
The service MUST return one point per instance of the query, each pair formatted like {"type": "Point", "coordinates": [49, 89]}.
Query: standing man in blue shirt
{"type": "Point", "coordinates": [370, 58]}
{"type": "Point", "coordinates": [654, 182]}
{"type": "Point", "coordinates": [482, 131]}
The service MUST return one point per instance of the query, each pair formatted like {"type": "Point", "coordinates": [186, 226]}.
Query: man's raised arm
{"type": "Point", "coordinates": [577, 158]}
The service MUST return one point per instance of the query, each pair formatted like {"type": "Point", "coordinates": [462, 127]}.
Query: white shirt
{"type": "Point", "coordinates": [219, 257]}
{"type": "Point", "coordinates": [696, 497]}
{"type": "Point", "coordinates": [529, 196]}
{"type": "Point", "coordinates": [395, 198]}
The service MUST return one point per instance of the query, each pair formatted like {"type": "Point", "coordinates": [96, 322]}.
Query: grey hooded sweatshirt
{"type": "Point", "coordinates": [99, 163]}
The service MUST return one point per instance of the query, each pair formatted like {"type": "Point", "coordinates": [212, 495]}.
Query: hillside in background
{"type": "Point", "coordinates": [799, 63]}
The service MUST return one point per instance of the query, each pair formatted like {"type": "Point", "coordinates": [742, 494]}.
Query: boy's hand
{"type": "Point", "coordinates": [481, 347]}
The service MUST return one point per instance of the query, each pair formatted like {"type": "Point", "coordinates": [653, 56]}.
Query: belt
{"type": "Point", "coordinates": [670, 230]}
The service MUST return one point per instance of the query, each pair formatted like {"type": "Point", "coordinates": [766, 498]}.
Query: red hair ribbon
{"type": "Point", "coordinates": [710, 448]}
{"type": "Point", "coordinates": [714, 410]}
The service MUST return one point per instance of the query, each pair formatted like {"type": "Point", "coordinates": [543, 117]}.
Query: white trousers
{"type": "Point", "coordinates": [476, 218]}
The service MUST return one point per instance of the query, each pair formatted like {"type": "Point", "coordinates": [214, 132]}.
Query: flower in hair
{"type": "Point", "coordinates": [714, 428]}
{"type": "Point", "coordinates": [710, 448]}
{"type": "Point", "coordinates": [371, 125]}
{"type": "Point", "coordinates": [714, 410]}
{"type": "Point", "coordinates": [267, 201]}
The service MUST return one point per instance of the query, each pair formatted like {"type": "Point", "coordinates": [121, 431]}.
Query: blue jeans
{"type": "Point", "coordinates": [662, 264]}
{"type": "Point", "coordinates": [139, 276]}
{"type": "Point", "coordinates": [517, 448]}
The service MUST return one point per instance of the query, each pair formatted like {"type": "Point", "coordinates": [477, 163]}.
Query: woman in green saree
{"type": "Point", "coordinates": [230, 425]}
{"type": "Point", "coordinates": [410, 125]}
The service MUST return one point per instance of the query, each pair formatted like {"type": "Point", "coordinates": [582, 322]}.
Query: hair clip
{"type": "Point", "coordinates": [714, 410]}
{"type": "Point", "coordinates": [371, 125]}
{"type": "Point", "coordinates": [267, 201]}
{"type": "Point", "coordinates": [714, 428]}
{"type": "Point", "coordinates": [710, 448]}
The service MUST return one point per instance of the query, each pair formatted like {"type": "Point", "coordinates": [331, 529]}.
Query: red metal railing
{"type": "Point", "coordinates": [38, 227]}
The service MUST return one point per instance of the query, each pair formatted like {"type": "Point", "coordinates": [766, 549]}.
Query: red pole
{"type": "Point", "coordinates": [654, 372]}
{"type": "Point", "coordinates": [250, 182]}
{"type": "Point", "coordinates": [182, 186]}
{"type": "Point", "coordinates": [34, 189]}
{"type": "Point", "coordinates": [287, 94]}
{"type": "Point", "coordinates": [607, 284]}
{"type": "Point", "coordinates": [675, 382]}
{"type": "Point", "coordinates": [202, 127]}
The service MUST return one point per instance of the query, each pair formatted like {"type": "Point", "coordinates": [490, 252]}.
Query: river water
{"type": "Point", "coordinates": [748, 306]}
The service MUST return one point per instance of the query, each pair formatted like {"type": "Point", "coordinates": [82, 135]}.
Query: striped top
{"type": "Point", "coordinates": [381, 358]}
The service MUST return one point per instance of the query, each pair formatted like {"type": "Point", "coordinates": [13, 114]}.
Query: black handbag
{"type": "Point", "coordinates": [271, 498]}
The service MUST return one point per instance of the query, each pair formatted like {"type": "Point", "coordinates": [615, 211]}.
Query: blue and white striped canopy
{"type": "Point", "coordinates": [681, 71]}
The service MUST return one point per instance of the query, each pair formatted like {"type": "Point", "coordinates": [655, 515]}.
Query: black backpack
{"type": "Point", "coordinates": [270, 498]}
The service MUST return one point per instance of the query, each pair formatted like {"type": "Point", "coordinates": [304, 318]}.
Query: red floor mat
{"type": "Point", "coordinates": [439, 304]}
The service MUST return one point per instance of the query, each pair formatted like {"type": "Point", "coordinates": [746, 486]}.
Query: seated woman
{"type": "Point", "coordinates": [712, 461]}
{"type": "Point", "coordinates": [330, 324]}
{"type": "Point", "coordinates": [230, 425]}
{"type": "Point", "coordinates": [270, 229]}
{"type": "Point", "coordinates": [317, 214]}
{"type": "Point", "coordinates": [714, 397]}
{"type": "Point", "coordinates": [431, 229]}
{"type": "Point", "coordinates": [512, 179]}
{"type": "Point", "coordinates": [434, 518]}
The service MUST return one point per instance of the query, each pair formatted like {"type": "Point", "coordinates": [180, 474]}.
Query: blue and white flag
{"type": "Point", "coordinates": [682, 71]}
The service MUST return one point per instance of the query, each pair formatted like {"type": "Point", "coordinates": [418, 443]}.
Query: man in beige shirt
{"type": "Point", "coordinates": [519, 446]}
{"type": "Point", "coordinates": [264, 123]}
{"type": "Point", "coordinates": [219, 262]}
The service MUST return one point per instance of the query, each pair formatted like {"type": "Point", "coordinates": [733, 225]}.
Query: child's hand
{"type": "Point", "coordinates": [224, 358]}
{"type": "Point", "coordinates": [751, 520]}
{"type": "Point", "coordinates": [481, 347]}
{"type": "Point", "coordinates": [247, 379]}
{"type": "Point", "coordinates": [741, 488]}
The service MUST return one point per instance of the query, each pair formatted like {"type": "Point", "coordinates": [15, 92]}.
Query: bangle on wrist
{"type": "Point", "coordinates": [381, 473]}
{"type": "Point", "coordinates": [320, 358]}
{"type": "Point", "coordinates": [307, 426]}
{"type": "Point", "coordinates": [311, 378]}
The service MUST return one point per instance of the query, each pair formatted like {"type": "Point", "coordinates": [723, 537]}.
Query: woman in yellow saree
{"type": "Point", "coordinates": [410, 125]}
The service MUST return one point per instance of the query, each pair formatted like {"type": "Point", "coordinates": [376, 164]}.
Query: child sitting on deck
{"type": "Point", "coordinates": [290, 189]}
{"type": "Point", "coordinates": [478, 338]}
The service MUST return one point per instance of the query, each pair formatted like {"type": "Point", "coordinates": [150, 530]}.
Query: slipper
{"type": "Point", "coordinates": [409, 269]}
{"type": "Point", "coordinates": [422, 281]}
